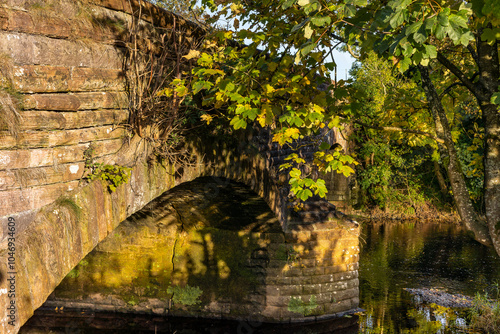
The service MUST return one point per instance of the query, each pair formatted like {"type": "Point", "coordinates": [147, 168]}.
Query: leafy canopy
{"type": "Point", "coordinates": [272, 65]}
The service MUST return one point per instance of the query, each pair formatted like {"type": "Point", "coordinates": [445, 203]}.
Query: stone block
{"type": "Point", "coordinates": [4, 19]}
{"type": "Point", "coordinates": [328, 278]}
{"type": "Point", "coordinates": [51, 120]}
{"type": "Point", "coordinates": [35, 49]}
{"type": "Point", "coordinates": [292, 272]}
{"type": "Point", "coordinates": [32, 177]}
{"type": "Point", "coordinates": [308, 263]}
{"type": "Point", "coordinates": [38, 157]}
{"type": "Point", "coordinates": [76, 101]}
{"type": "Point", "coordinates": [290, 290]}
{"type": "Point", "coordinates": [313, 271]}
{"type": "Point", "coordinates": [301, 280]}
{"type": "Point", "coordinates": [39, 139]}
{"type": "Point", "coordinates": [345, 294]}
{"type": "Point", "coordinates": [338, 306]}
{"type": "Point", "coordinates": [311, 289]}
{"type": "Point", "coordinates": [273, 290]}
{"type": "Point", "coordinates": [278, 280]}
{"type": "Point", "coordinates": [18, 200]}
{"type": "Point", "coordinates": [334, 269]}
{"type": "Point", "coordinates": [334, 286]}
{"type": "Point", "coordinates": [280, 301]}
{"type": "Point", "coordinates": [272, 312]}
{"type": "Point", "coordinates": [50, 79]}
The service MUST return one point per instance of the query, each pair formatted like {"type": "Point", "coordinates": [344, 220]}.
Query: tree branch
{"type": "Point", "coordinates": [398, 129]}
{"type": "Point", "coordinates": [473, 53]}
{"type": "Point", "coordinates": [460, 75]}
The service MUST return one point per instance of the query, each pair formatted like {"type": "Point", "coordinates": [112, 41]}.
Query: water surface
{"type": "Point", "coordinates": [395, 256]}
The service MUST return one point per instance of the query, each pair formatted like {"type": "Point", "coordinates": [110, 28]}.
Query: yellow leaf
{"type": "Point", "coordinates": [207, 118]}
{"type": "Point", "coordinates": [266, 116]}
{"type": "Point", "coordinates": [192, 54]}
{"type": "Point", "coordinates": [292, 133]}
{"type": "Point", "coordinates": [269, 88]}
{"type": "Point", "coordinates": [308, 31]}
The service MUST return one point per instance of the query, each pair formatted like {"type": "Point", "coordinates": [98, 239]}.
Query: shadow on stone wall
{"type": "Point", "coordinates": [213, 248]}
{"type": "Point", "coordinates": [208, 234]}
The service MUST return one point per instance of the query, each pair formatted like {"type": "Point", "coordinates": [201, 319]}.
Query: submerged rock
{"type": "Point", "coordinates": [441, 298]}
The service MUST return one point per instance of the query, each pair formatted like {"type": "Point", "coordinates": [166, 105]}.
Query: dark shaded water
{"type": "Point", "coordinates": [394, 256]}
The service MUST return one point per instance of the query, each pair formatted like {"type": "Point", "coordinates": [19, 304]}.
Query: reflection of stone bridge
{"type": "Point", "coordinates": [64, 59]}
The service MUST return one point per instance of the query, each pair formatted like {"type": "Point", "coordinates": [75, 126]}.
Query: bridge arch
{"type": "Point", "coordinates": [74, 87]}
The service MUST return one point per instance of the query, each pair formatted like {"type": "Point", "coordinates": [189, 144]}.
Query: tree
{"type": "Point", "coordinates": [270, 74]}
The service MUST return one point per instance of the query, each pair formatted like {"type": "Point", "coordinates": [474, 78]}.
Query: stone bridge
{"type": "Point", "coordinates": [63, 87]}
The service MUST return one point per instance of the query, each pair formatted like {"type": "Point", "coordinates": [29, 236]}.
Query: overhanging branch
{"type": "Point", "coordinates": [399, 129]}
{"type": "Point", "coordinates": [461, 76]}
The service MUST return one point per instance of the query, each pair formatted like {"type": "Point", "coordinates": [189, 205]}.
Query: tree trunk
{"type": "Point", "coordinates": [440, 178]}
{"type": "Point", "coordinates": [489, 65]}
{"type": "Point", "coordinates": [465, 209]}
{"type": "Point", "coordinates": [492, 172]}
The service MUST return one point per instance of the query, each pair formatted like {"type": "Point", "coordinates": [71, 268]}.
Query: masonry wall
{"type": "Point", "coordinates": [62, 66]}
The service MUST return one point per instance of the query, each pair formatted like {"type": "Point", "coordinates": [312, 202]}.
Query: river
{"type": "Point", "coordinates": [394, 256]}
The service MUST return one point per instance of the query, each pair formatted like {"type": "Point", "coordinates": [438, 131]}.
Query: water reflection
{"type": "Point", "coordinates": [419, 255]}
{"type": "Point", "coordinates": [394, 256]}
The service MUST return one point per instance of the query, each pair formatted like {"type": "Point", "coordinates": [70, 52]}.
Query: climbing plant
{"type": "Point", "coordinates": [113, 175]}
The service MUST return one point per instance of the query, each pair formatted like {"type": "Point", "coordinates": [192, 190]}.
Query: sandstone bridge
{"type": "Point", "coordinates": [212, 238]}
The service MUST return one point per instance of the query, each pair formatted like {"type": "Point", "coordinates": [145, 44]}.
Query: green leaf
{"type": "Point", "coordinates": [443, 17]}
{"type": "Point", "coordinates": [324, 146]}
{"type": "Point", "coordinates": [458, 21]}
{"type": "Point", "coordinates": [307, 48]}
{"type": "Point", "coordinates": [321, 21]}
{"type": "Point", "coordinates": [295, 173]}
{"type": "Point", "coordinates": [453, 34]}
{"type": "Point", "coordinates": [466, 38]}
{"type": "Point", "coordinates": [303, 3]}
{"type": "Point", "coordinates": [431, 23]}
{"type": "Point", "coordinates": [420, 36]}
{"type": "Point", "coordinates": [440, 32]}
{"type": "Point", "coordinates": [490, 35]}
{"type": "Point", "coordinates": [404, 64]}
{"type": "Point", "coordinates": [300, 25]}
{"type": "Point", "coordinates": [412, 28]}
{"type": "Point", "coordinates": [397, 19]}
{"type": "Point", "coordinates": [304, 194]}
{"type": "Point", "coordinates": [430, 51]}
{"type": "Point", "coordinates": [495, 98]}
{"type": "Point", "coordinates": [287, 4]}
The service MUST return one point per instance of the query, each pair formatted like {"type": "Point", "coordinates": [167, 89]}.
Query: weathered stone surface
{"type": "Point", "coordinates": [76, 101]}
{"type": "Point", "coordinates": [38, 139]}
{"type": "Point", "coordinates": [22, 158]}
{"type": "Point", "coordinates": [51, 120]}
{"type": "Point", "coordinates": [18, 200]}
{"type": "Point", "coordinates": [27, 49]}
{"type": "Point", "coordinates": [36, 176]}
{"type": "Point", "coordinates": [44, 79]}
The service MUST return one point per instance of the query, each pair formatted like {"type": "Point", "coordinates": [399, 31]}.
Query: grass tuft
{"type": "Point", "coordinates": [485, 313]}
